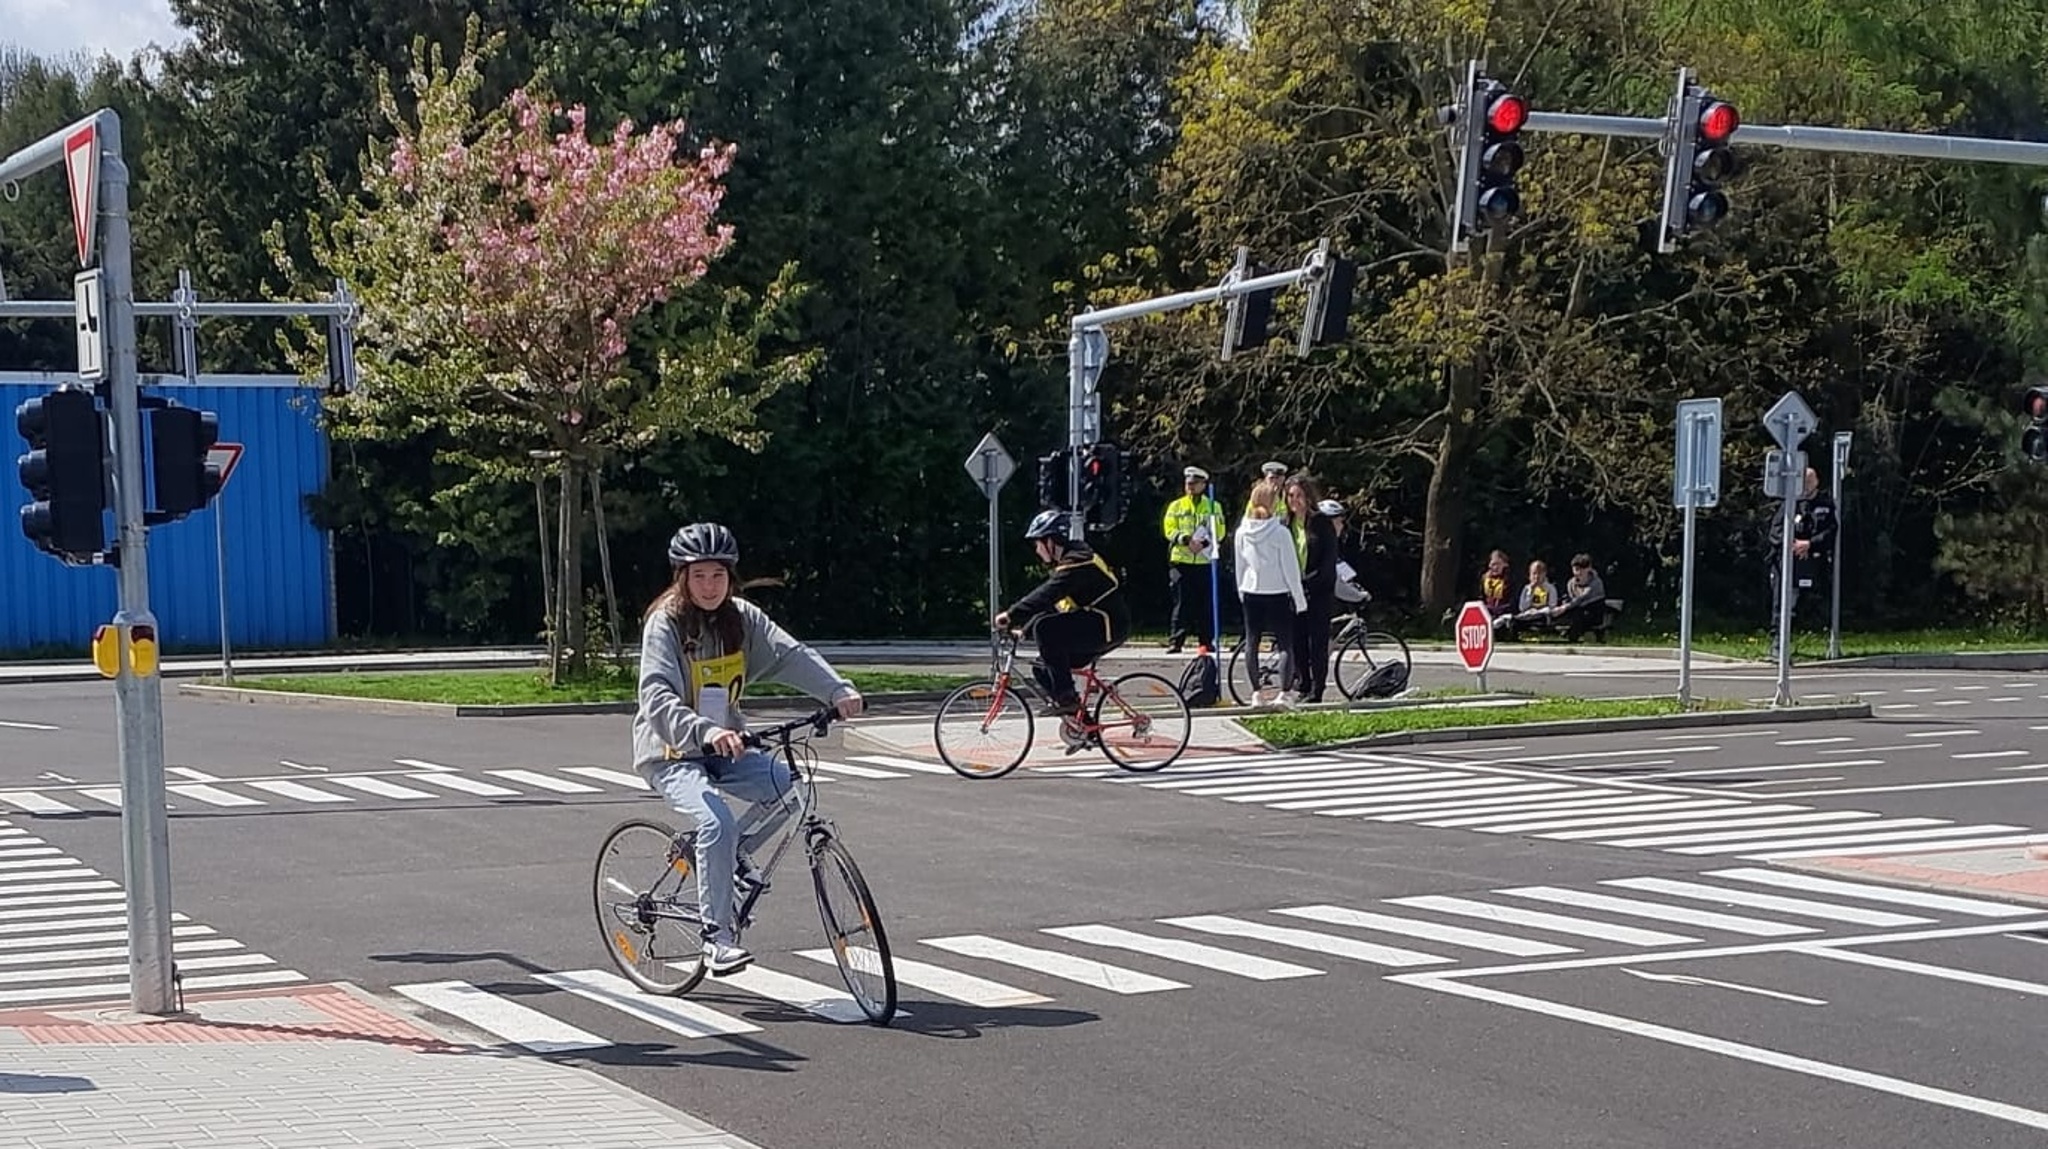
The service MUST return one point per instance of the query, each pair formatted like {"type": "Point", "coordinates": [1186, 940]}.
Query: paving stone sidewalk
{"type": "Point", "coordinates": [2017, 872]}
{"type": "Point", "coordinates": [314, 1067]}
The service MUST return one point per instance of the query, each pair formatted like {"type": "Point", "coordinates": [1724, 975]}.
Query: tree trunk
{"type": "Point", "coordinates": [1443, 516]}
{"type": "Point", "coordinates": [569, 584]}
{"type": "Point", "coordinates": [604, 564]}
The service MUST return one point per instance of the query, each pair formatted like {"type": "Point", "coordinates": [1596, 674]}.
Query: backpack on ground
{"type": "Point", "coordinates": [1200, 684]}
{"type": "Point", "coordinates": [1385, 681]}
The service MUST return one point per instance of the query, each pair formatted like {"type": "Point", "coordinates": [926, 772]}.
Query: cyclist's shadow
{"type": "Point", "coordinates": [958, 1022]}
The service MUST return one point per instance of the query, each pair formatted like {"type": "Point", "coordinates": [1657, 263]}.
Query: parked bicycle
{"type": "Point", "coordinates": [646, 888]}
{"type": "Point", "coordinates": [1356, 651]}
{"type": "Point", "coordinates": [984, 729]}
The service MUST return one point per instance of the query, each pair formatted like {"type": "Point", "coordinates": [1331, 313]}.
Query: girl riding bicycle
{"type": "Point", "coordinates": [699, 647]}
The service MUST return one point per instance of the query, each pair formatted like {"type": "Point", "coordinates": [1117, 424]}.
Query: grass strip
{"type": "Point", "coordinates": [527, 687]}
{"type": "Point", "coordinates": [1311, 729]}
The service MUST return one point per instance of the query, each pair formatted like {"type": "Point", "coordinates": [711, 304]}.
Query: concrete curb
{"type": "Point", "coordinates": [2017, 660]}
{"type": "Point", "coordinates": [469, 710]}
{"type": "Point", "coordinates": [1600, 726]}
{"type": "Point", "coordinates": [1823, 867]}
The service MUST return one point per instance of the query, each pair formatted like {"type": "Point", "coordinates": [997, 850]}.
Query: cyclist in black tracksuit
{"type": "Point", "coordinates": [1077, 614]}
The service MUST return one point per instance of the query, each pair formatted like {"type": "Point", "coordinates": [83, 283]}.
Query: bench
{"type": "Point", "coordinates": [1542, 626]}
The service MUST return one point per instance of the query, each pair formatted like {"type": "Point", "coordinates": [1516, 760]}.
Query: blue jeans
{"type": "Point", "coordinates": [692, 788]}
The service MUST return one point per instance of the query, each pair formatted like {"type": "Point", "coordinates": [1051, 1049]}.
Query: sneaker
{"type": "Point", "coordinates": [1073, 734]}
{"type": "Point", "coordinates": [722, 958]}
{"type": "Point", "coordinates": [1055, 708]}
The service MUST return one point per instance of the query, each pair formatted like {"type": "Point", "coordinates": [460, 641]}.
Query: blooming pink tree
{"type": "Point", "coordinates": [503, 261]}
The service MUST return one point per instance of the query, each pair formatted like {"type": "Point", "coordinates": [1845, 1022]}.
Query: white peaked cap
{"type": "Point", "coordinates": [1194, 473]}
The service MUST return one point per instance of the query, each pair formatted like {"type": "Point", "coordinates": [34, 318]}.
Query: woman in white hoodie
{"type": "Point", "coordinates": [1269, 579]}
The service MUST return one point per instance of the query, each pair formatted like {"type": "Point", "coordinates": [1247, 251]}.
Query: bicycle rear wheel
{"type": "Point", "coordinates": [1144, 722]}
{"type": "Point", "coordinates": [1242, 690]}
{"type": "Point", "coordinates": [983, 729]}
{"type": "Point", "coordinates": [853, 927]}
{"type": "Point", "coordinates": [645, 894]}
{"type": "Point", "coordinates": [1364, 653]}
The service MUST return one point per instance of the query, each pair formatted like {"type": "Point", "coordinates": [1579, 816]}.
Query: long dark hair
{"type": "Point", "coordinates": [692, 620]}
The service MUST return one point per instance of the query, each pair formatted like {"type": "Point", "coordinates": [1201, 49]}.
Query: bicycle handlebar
{"type": "Point", "coordinates": [819, 720]}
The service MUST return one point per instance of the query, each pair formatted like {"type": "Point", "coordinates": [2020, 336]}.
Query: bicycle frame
{"type": "Point", "coordinates": [1002, 669]}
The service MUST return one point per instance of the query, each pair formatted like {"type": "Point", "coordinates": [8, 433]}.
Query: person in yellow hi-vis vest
{"type": "Point", "coordinates": [1193, 526]}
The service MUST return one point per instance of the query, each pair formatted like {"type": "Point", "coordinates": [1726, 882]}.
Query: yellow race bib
{"type": "Point", "coordinates": [727, 672]}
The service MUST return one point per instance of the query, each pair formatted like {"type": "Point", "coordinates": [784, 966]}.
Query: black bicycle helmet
{"type": "Point", "coordinates": [1047, 525]}
{"type": "Point", "coordinates": [703, 543]}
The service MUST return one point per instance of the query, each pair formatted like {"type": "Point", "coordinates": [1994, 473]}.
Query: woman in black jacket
{"type": "Point", "coordinates": [1318, 584]}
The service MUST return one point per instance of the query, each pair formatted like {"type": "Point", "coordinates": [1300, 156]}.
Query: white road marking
{"type": "Point", "coordinates": [1941, 733]}
{"type": "Point", "coordinates": [290, 765]}
{"type": "Point", "coordinates": [1897, 895]}
{"type": "Point", "coordinates": [1664, 835]}
{"type": "Point", "coordinates": [544, 781]}
{"type": "Point", "coordinates": [617, 778]}
{"type": "Point", "coordinates": [1689, 979]}
{"type": "Point", "coordinates": [378, 786]}
{"type": "Point", "coordinates": [1435, 804]}
{"type": "Point", "coordinates": [1539, 920]}
{"type": "Point", "coordinates": [852, 771]}
{"type": "Point", "coordinates": [1729, 819]}
{"type": "Point", "coordinates": [898, 763]}
{"type": "Point", "coordinates": [1953, 702]}
{"type": "Point", "coordinates": [1636, 908]}
{"type": "Point", "coordinates": [214, 795]}
{"type": "Point", "coordinates": [502, 1018]}
{"type": "Point", "coordinates": [674, 1014]}
{"type": "Point", "coordinates": [961, 987]}
{"type": "Point", "coordinates": [1619, 804]}
{"type": "Point", "coordinates": [1814, 741]}
{"type": "Point", "coordinates": [1992, 754]}
{"type": "Point", "coordinates": [1961, 784]}
{"type": "Point", "coordinates": [35, 803]}
{"type": "Point", "coordinates": [111, 795]}
{"type": "Point", "coordinates": [285, 789]}
{"type": "Point", "coordinates": [825, 1001]}
{"type": "Point", "coordinates": [1769, 1057]}
{"type": "Point", "coordinates": [420, 764]}
{"type": "Point", "coordinates": [1848, 839]}
{"type": "Point", "coordinates": [27, 725]}
{"type": "Point", "coordinates": [1305, 939]}
{"type": "Point", "coordinates": [466, 784]}
{"type": "Point", "coordinates": [191, 775]}
{"type": "Point", "coordinates": [1780, 904]}
{"type": "Point", "coordinates": [1968, 977]}
{"type": "Point", "coordinates": [1100, 975]}
{"type": "Point", "coordinates": [1669, 812]}
{"type": "Point", "coordinates": [1193, 953]}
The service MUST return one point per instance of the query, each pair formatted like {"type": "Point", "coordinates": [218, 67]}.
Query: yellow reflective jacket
{"type": "Point", "coordinates": [1188, 516]}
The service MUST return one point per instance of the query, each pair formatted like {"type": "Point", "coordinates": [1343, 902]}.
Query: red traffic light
{"type": "Point", "coordinates": [1507, 113]}
{"type": "Point", "coordinates": [1718, 121]}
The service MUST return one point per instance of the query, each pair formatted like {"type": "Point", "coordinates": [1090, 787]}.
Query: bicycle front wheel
{"type": "Point", "coordinates": [853, 927]}
{"type": "Point", "coordinates": [983, 729]}
{"type": "Point", "coordinates": [1144, 722]}
{"type": "Point", "coordinates": [645, 892]}
{"type": "Point", "coordinates": [1363, 654]}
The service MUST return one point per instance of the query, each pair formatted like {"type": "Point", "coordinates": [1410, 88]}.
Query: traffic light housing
{"type": "Point", "coordinates": [1248, 318]}
{"type": "Point", "coordinates": [1699, 159]}
{"type": "Point", "coordinates": [1104, 494]}
{"type": "Point", "coordinates": [1054, 471]}
{"type": "Point", "coordinates": [1327, 319]}
{"type": "Point", "coordinates": [1489, 120]}
{"type": "Point", "coordinates": [183, 481]}
{"type": "Point", "coordinates": [2034, 439]}
{"type": "Point", "coordinates": [64, 473]}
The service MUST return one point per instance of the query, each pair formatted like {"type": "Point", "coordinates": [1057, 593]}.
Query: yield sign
{"type": "Point", "coordinates": [224, 456]}
{"type": "Point", "coordinates": [82, 166]}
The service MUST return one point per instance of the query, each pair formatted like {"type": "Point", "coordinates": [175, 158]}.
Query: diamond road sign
{"type": "Point", "coordinates": [990, 465]}
{"type": "Point", "coordinates": [1790, 420]}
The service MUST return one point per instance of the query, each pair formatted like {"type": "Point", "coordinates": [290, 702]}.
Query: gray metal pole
{"type": "Point", "coordinates": [138, 699]}
{"type": "Point", "coordinates": [1801, 137]}
{"type": "Point", "coordinates": [1783, 697]}
{"type": "Point", "coordinates": [61, 309]}
{"type": "Point", "coordinates": [1685, 611]}
{"type": "Point", "coordinates": [1835, 571]}
{"type": "Point", "coordinates": [1077, 425]}
{"type": "Point", "coordinates": [995, 535]}
{"type": "Point", "coordinates": [220, 557]}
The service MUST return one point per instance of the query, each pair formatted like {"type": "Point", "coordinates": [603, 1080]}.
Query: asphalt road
{"type": "Point", "coordinates": [1590, 941]}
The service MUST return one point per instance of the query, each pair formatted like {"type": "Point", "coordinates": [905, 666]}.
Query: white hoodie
{"type": "Point", "coordinates": [1267, 562]}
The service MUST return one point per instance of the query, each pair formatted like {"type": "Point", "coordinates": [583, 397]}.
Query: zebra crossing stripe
{"type": "Point", "coordinates": [1101, 975]}
{"type": "Point", "coordinates": [1508, 800]}
{"type": "Point", "coordinates": [1241, 783]}
{"type": "Point", "coordinates": [1789, 824]}
{"type": "Point", "coordinates": [178, 948]}
{"type": "Point", "coordinates": [466, 784]}
{"type": "Point", "coordinates": [213, 795]}
{"type": "Point", "coordinates": [1193, 953]}
{"type": "Point", "coordinates": [541, 781]}
{"type": "Point", "coordinates": [1850, 841]}
{"type": "Point", "coordinates": [1921, 847]}
{"type": "Point", "coordinates": [852, 771]}
{"type": "Point", "coordinates": [1681, 915]}
{"type": "Point", "coordinates": [1668, 812]}
{"type": "Point", "coordinates": [378, 786]}
{"type": "Point", "coordinates": [70, 869]}
{"type": "Point", "coordinates": [1354, 795]}
{"type": "Point", "coordinates": [111, 795]}
{"type": "Point", "coordinates": [1538, 919]}
{"type": "Point", "coordinates": [27, 857]}
{"type": "Point", "coordinates": [527, 1028]}
{"type": "Point", "coordinates": [301, 792]}
{"type": "Point", "coordinates": [617, 778]}
{"type": "Point", "coordinates": [898, 763]}
{"type": "Point", "coordinates": [35, 803]}
{"type": "Point", "coordinates": [675, 1014]}
{"type": "Point", "coordinates": [961, 987]}
{"type": "Point", "coordinates": [1436, 802]}
{"type": "Point", "coordinates": [1735, 820]}
{"type": "Point", "coordinates": [1305, 939]}
{"type": "Point", "coordinates": [58, 892]}
{"type": "Point", "coordinates": [822, 1000]}
{"type": "Point", "coordinates": [1620, 804]}
{"type": "Point", "coordinates": [1869, 893]}
{"type": "Point", "coordinates": [1429, 931]}
{"type": "Point", "coordinates": [1855, 915]}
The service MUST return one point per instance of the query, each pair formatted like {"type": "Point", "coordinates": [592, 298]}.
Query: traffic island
{"type": "Point", "coordinates": [1558, 715]}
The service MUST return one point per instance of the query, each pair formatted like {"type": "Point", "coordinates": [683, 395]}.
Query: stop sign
{"type": "Point", "coordinates": [1475, 637]}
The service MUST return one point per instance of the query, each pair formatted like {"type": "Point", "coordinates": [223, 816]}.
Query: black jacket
{"type": "Point", "coordinates": [1814, 520]}
{"type": "Point", "coordinates": [1319, 567]}
{"type": "Point", "coordinates": [1080, 582]}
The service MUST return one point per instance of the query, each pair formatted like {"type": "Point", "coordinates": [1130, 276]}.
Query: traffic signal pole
{"type": "Point", "coordinates": [138, 697]}
{"type": "Point", "coordinates": [1088, 349]}
{"type": "Point", "coordinates": [1800, 137]}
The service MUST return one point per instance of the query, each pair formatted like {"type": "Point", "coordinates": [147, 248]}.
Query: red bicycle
{"type": "Point", "coordinates": [984, 729]}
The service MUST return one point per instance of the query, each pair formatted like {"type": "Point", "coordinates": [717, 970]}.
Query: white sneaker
{"type": "Point", "coordinates": [722, 958]}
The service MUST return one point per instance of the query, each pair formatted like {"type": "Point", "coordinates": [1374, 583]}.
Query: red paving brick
{"type": "Point", "coordinates": [2013, 872]}
{"type": "Point", "coordinates": [354, 1019]}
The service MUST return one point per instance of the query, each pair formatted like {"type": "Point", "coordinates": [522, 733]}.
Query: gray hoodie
{"type": "Point", "coordinates": [667, 725]}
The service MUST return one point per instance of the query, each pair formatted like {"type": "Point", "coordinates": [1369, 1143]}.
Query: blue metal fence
{"type": "Point", "coordinates": [279, 570]}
